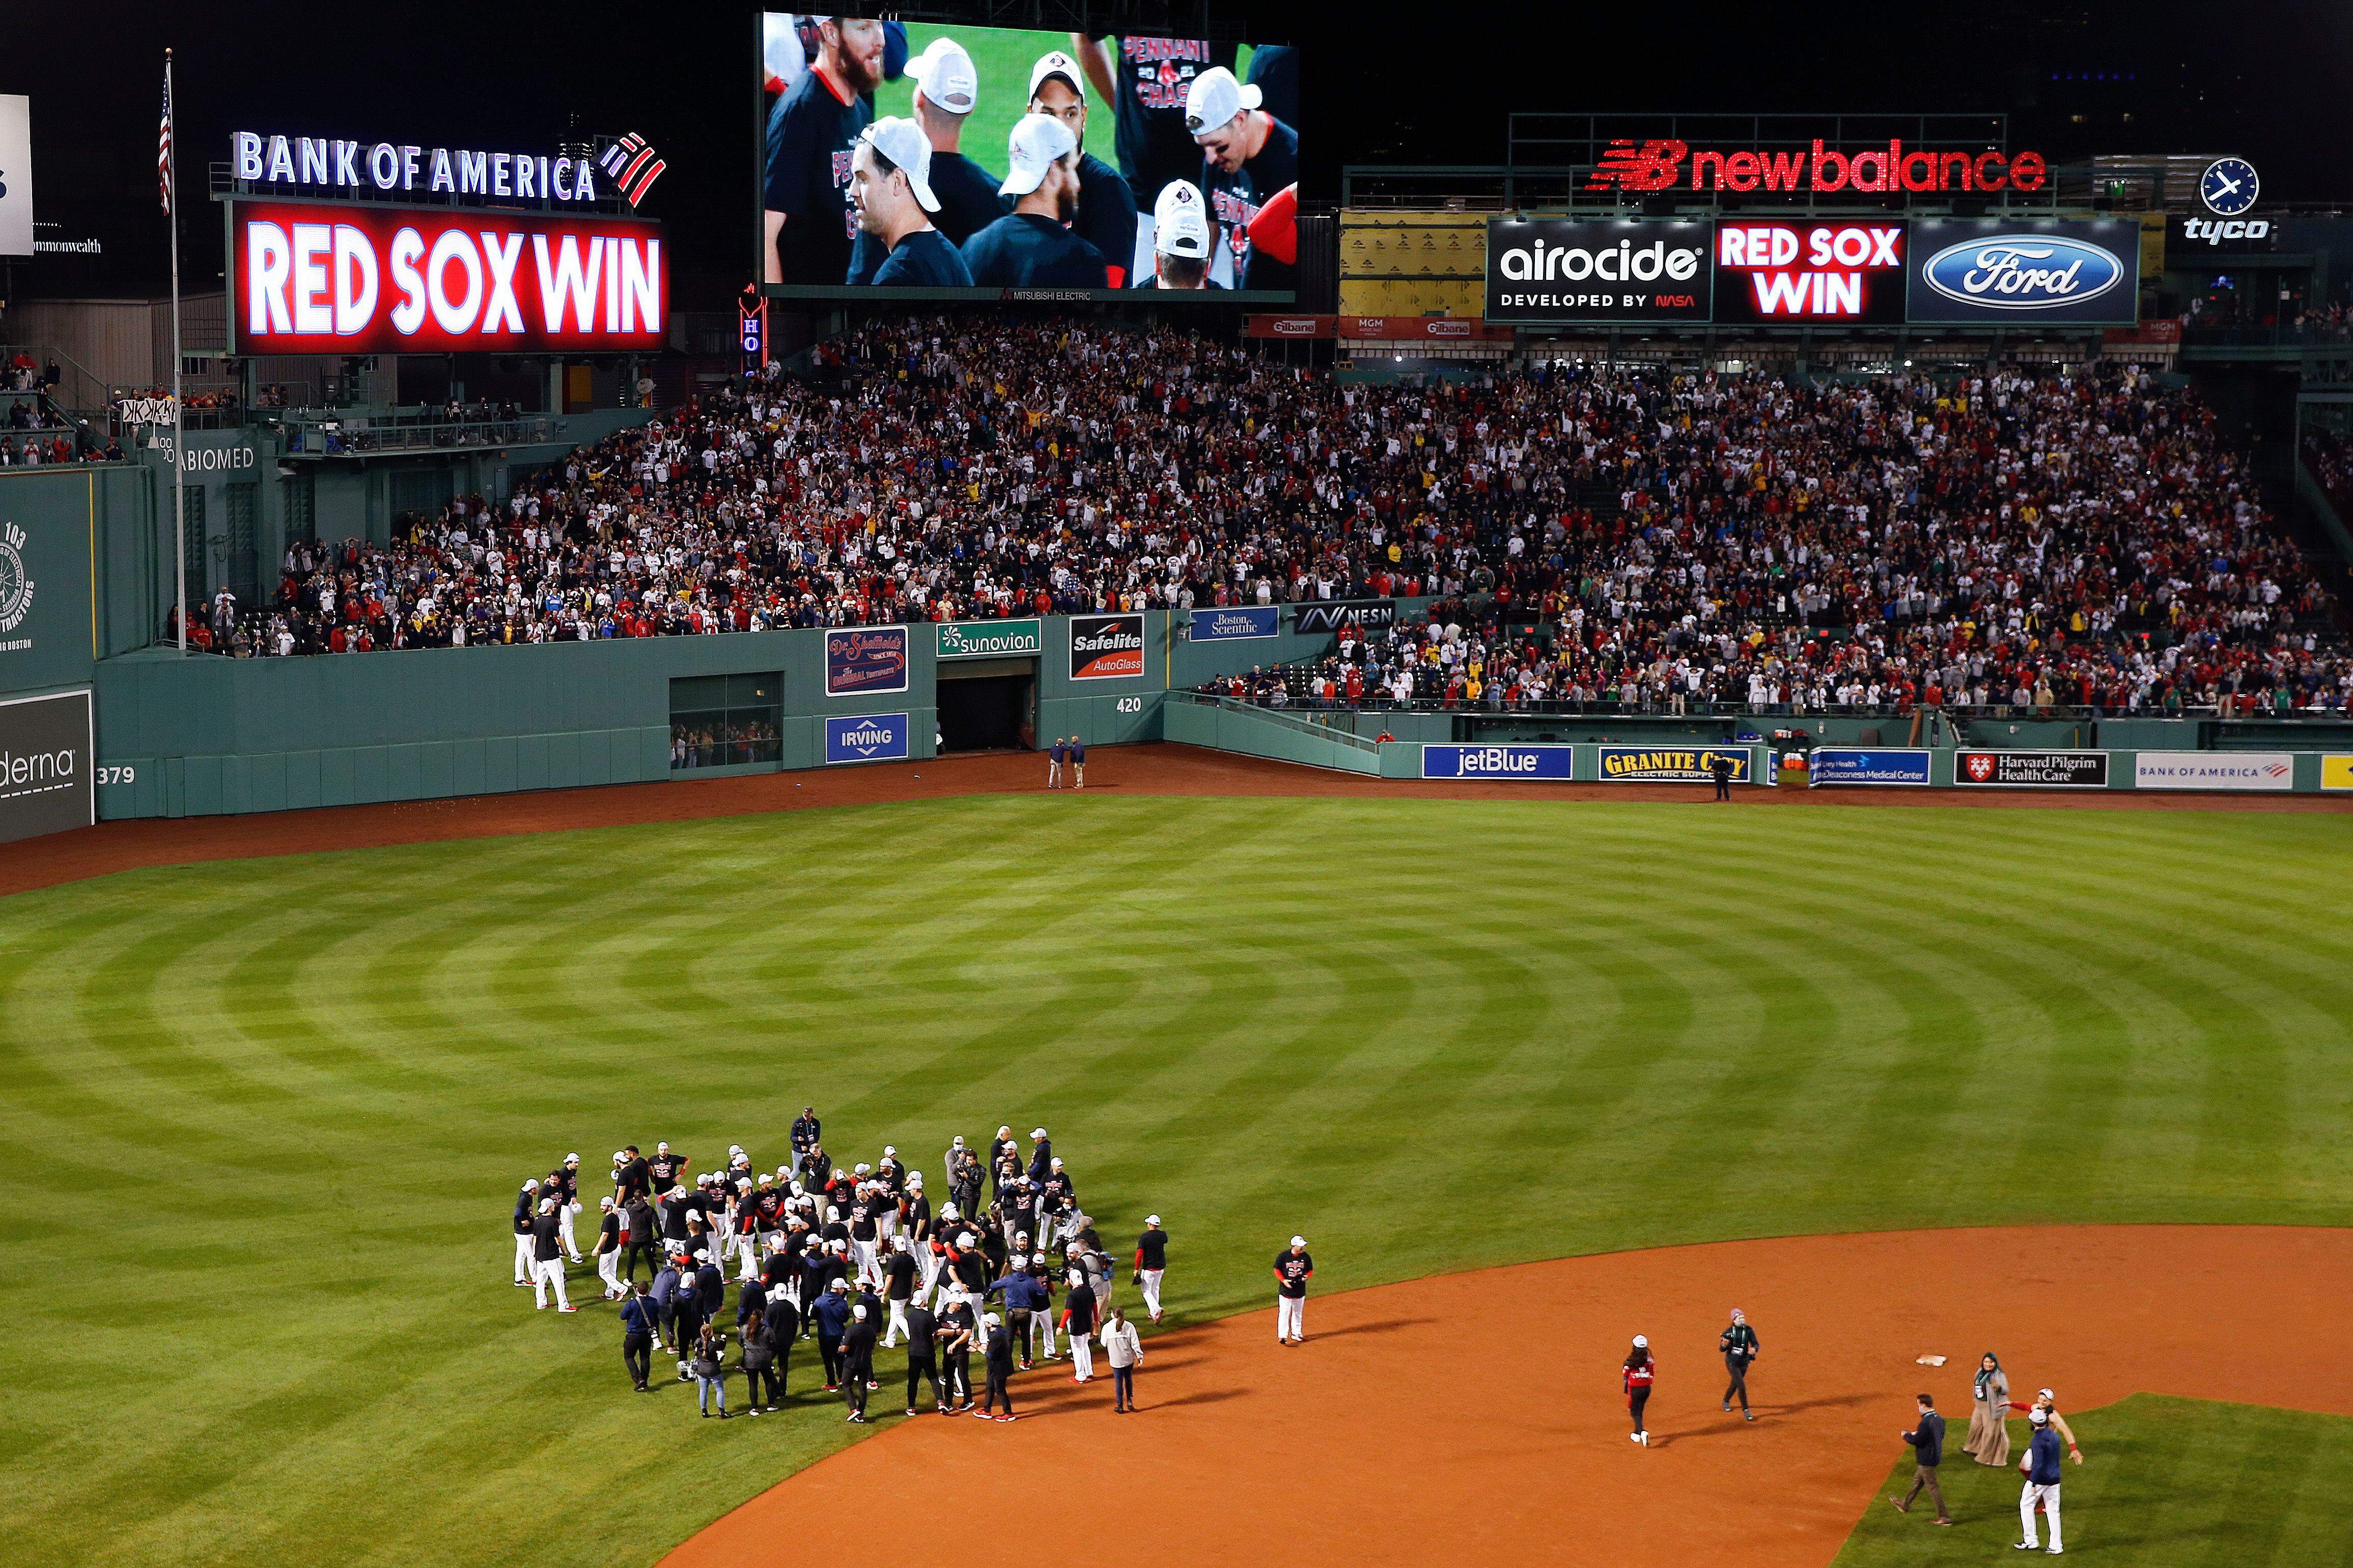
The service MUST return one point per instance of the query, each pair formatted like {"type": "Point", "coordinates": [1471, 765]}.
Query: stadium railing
{"type": "Point", "coordinates": [1226, 724]}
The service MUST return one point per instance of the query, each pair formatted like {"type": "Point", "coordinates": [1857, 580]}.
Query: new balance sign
{"type": "Point", "coordinates": [868, 738]}
{"type": "Point", "coordinates": [1498, 761]}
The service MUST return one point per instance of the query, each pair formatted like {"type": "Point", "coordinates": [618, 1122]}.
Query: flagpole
{"type": "Point", "coordinates": [179, 464]}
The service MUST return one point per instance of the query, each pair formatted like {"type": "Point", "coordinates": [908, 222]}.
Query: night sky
{"type": "Point", "coordinates": [2262, 78]}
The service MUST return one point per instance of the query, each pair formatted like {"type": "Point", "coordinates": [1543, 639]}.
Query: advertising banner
{"type": "Point", "coordinates": [1652, 765]}
{"type": "Point", "coordinates": [15, 174]}
{"type": "Point", "coordinates": [47, 781]}
{"type": "Point", "coordinates": [1997, 271]}
{"type": "Point", "coordinates": [1330, 615]}
{"type": "Point", "coordinates": [2032, 770]}
{"type": "Point", "coordinates": [862, 660]}
{"type": "Point", "coordinates": [355, 280]}
{"type": "Point", "coordinates": [2336, 772]}
{"type": "Point", "coordinates": [1237, 625]}
{"type": "Point", "coordinates": [1422, 329]}
{"type": "Point", "coordinates": [1290, 326]}
{"type": "Point", "coordinates": [1768, 273]}
{"type": "Point", "coordinates": [869, 737]}
{"type": "Point", "coordinates": [2214, 770]}
{"type": "Point", "coordinates": [1106, 648]}
{"type": "Point", "coordinates": [990, 639]}
{"type": "Point", "coordinates": [1553, 269]}
{"type": "Point", "coordinates": [1839, 765]}
{"type": "Point", "coordinates": [1498, 761]}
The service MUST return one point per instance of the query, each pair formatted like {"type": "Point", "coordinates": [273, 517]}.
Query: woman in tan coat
{"type": "Point", "coordinates": [1988, 1439]}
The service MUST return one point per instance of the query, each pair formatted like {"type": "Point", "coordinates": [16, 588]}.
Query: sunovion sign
{"type": "Point", "coordinates": [1966, 270]}
{"type": "Point", "coordinates": [1551, 269]}
{"type": "Point", "coordinates": [1508, 763]}
{"type": "Point", "coordinates": [357, 279]}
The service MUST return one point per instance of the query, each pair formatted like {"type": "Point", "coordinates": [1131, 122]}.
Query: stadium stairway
{"type": "Point", "coordinates": [1224, 724]}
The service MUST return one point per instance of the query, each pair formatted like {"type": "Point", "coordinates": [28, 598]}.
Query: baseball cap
{"type": "Point", "coordinates": [571, 1158]}
{"type": "Point", "coordinates": [1056, 1161]}
{"type": "Point", "coordinates": [1035, 142]}
{"type": "Point", "coordinates": [1062, 65]}
{"type": "Point", "coordinates": [1298, 1241]}
{"type": "Point", "coordinates": [2039, 1416]}
{"type": "Point", "coordinates": [857, 1311]}
{"type": "Point", "coordinates": [604, 1203]}
{"type": "Point", "coordinates": [1152, 1219]}
{"type": "Point", "coordinates": [959, 1141]}
{"type": "Point", "coordinates": [964, 1239]}
{"type": "Point", "coordinates": [889, 1151]}
{"type": "Point", "coordinates": [1180, 225]}
{"type": "Point", "coordinates": [1038, 1132]}
{"type": "Point", "coordinates": [1217, 98]}
{"type": "Point", "coordinates": [1640, 1342]}
{"type": "Point", "coordinates": [991, 1320]}
{"type": "Point", "coordinates": [531, 1186]}
{"type": "Point", "coordinates": [946, 74]}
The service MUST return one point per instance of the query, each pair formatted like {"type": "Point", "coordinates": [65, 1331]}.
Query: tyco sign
{"type": "Point", "coordinates": [1502, 761]}
{"type": "Point", "coordinates": [1837, 765]}
{"type": "Point", "coordinates": [869, 737]}
{"type": "Point", "coordinates": [988, 639]}
{"type": "Point", "coordinates": [865, 660]}
{"type": "Point", "coordinates": [344, 281]}
{"type": "Point", "coordinates": [1646, 764]}
{"type": "Point", "coordinates": [1106, 648]}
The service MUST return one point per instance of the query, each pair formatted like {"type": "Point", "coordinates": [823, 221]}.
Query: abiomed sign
{"type": "Point", "coordinates": [990, 639]}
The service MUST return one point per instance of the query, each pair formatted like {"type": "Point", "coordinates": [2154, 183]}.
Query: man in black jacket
{"type": "Point", "coordinates": [923, 1358]}
{"type": "Point", "coordinates": [638, 1336]}
{"type": "Point", "coordinates": [1000, 1344]}
{"type": "Point", "coordinates": [1927, 1440]}
{"type": "Point", "coordinates": [1739, 1345]}
{"type": "Point", "coordinates": [856, 1361]}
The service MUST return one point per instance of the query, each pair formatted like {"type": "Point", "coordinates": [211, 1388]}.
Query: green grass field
{"type": "Point", "coordinates": [2166, 1483]}
{"type": "Point", "coordinates": [267, 1116]}
{"type": "Point", "coordinates": [1003, 56]}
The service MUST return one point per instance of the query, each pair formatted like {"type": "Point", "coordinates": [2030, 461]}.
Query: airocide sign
{"type": "Point", "coordinates": [1498, 761]}
{"type": "Point", "coordinates": [1106, 648]}
{"type": "Point", "coordinates": [988, 639]}
{"type": "Point", "coordinates": [356, 280]}
{"type": "Point", "coordinates": [2032, 770]}
{"type": "Point", "coordinates": [1551, 269]}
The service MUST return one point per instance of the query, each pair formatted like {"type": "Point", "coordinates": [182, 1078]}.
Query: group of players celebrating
{"type": "Point", "coordinates": [855, 1256]}
{"type": "Point", "coordinates": [1208, 166]}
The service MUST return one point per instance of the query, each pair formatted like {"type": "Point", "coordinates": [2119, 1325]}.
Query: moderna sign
{"type": "Point", "coordinates": [360, 280]}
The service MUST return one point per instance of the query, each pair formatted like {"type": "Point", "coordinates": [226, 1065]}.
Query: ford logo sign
{"type": "Point", "coordinates": [2023, 271]}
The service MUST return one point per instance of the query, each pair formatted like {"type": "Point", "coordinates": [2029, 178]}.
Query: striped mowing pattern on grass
{"type": "Point", "coordinates": [268, 1116]}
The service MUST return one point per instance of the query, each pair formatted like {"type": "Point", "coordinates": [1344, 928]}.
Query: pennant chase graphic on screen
{"type": "Point", "coordinates": [632, 165]}
{"type": "Point", "coordinates": [1106, 648]}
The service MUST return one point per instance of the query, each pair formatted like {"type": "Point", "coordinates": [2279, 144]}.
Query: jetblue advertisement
{"type": "Point", "coordinates": [1994, 272]}
{"type": "Point", "coordinates": [1838, 765]}
{"type": "Point", "coordinates": [1500, 762]}
{"type": "Point", "coordinates": [868, 738]}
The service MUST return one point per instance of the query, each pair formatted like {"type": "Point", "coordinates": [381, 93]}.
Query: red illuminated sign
{"type": "Point", "coordinates": [1660, 165]}
{"type": "Point", "coordinates": [1769, 272]}
{"type": "Point", "coordinates": [364, 279]}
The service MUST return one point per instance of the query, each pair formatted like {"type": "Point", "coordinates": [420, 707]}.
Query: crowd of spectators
{"type": "Point", "coordinates": [1599, 536]}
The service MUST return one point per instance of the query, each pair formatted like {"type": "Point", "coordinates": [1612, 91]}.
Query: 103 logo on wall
{"type": "Point", "coordinates": [15, 585]}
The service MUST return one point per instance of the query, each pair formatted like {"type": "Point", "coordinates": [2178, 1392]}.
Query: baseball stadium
{"type": "Point", "coordinates": [1671, 777]}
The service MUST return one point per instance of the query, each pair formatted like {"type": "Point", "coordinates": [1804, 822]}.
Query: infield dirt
{"type": "Point", "coordinates": [1477, 1418]}
{"type": "Point", "coordinates": [1157, 768]}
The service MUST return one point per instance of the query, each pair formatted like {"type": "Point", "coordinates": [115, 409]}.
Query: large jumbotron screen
{"type": "Point", "coordinates": [921, 158]}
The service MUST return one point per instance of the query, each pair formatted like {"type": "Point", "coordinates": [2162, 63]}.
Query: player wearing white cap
{"type": "Point", "coordinates": [947, 88]}
{"type": "Point", "coordinates": [1640, 1371]}
{"type": "Point", "coordinates": [1151, 1263]}
{"type": "Point", "coordinates": [1105, 217]}
{"type": "Point", "coordinates": [1292, 1270]}
{"type": "Point", "coordinates": [812, 132]}
{"type": "Point", "coordinates": [1246, 155]}
{"type": "Point", "coordinates": [1180, 240]}
{"type": "Point", "coordinates": [547, 1250]}
{"type": "Point", "coordinates": [607, 1248]}
{"type": "Point", "coordinates": [1146, 82]}
{"type": "Point", "coordinates": [526, 1258]}
{"type": "Point", "coordinates": [890, 184]}
{"type": "Point", "coordinates": [1029, 246]}
{"type": "Point", "coordinates": [565, 1180]}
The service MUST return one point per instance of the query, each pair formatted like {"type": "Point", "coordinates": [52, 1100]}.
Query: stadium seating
{"type": "Point", "coordinates": [2074, 538]}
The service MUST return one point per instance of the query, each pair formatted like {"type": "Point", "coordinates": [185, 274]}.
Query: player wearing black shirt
{"type": "Point", "coordinates": [812, 135]}
{"type": "Point", "coordinates": [923, 1355]}
{"type": "Point", "coordinates": [1246, 155]}
{"type": "Point", "coordinates": [1105, 216]}
{"type": "Point", "coordinates": [565, 1180]}
{"type": "Point", "coordinates": [1292, 1270]}
{"type": "Point", "coordinates": [668, 1169]}
{"type": "Point", "coordinates": [946, 90]}
{"type": "Point", "coordinates": [607, 1248]}
{"type": "Point", "coordinates": [1148, 80]}
{"type": "Point", "coordinates": [1000, 1344]}
{"type": "Point", "coordinates": [1151, 1263]}
{"type": "Point", "coordinates": [889, 186]}
{"type": "Point", "coordinates": [856, 1361]}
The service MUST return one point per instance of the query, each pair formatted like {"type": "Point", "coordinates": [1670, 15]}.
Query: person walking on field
{"type": "Point", "coordinates": [1078, 763]}
{"type": "Point", "coordinates": [1988, 1438]}
{"type": "Point", "coordinates": [1292, 1270]}
{"type": "Point", "coordinates": [1151, 1263]}
{"type": "Point", "coordinates": [1927, 1440]}
{"type": "Point", "coordinates": [2041, 1467]}
{"type": "Point", "coordinates": [1641, 1370]}
{"type": "Point", "coordinates": [1740, 1347]}
{"type": "Point", "coordinates": [1054, 764]}
{"type": "Point", "coordinates": [607, 1248]}
{"type": "Point", "coordinates": [526, 1241]}
{"type": "Point", "coordinates": [1123, 1347]}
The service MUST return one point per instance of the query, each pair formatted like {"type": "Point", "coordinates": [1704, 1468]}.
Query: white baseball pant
{"type": "Point", "coordinates": [1041, 1322]}
{"type": "Point", "coordinates": [1289, 1317]}
{"type": "Point", "coordinates": [1082, 1355]}
{"type": "Point", "coordinates": [2049, 1497]}
{"type": "Point", "coordinates": [1149, 1282]}
{"type": "Point", "coordinates": [898, 1325]}
{"type": "Point", "coordinates": [608, 1269]}
{"type": "Point", "coordinates": [564, 1213]}
{"type": "Point", "coordinates": [526, 1259]}
{"type": "Point", "coordinates": [863, 1253]}
{"type": "Point", "coordinates": [549, 1274]}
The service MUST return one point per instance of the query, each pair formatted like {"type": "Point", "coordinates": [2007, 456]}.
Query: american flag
{"type": "Point", "coordinates": [632, 166]}
{"type": "Point", "coordinates": [163, 146]}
